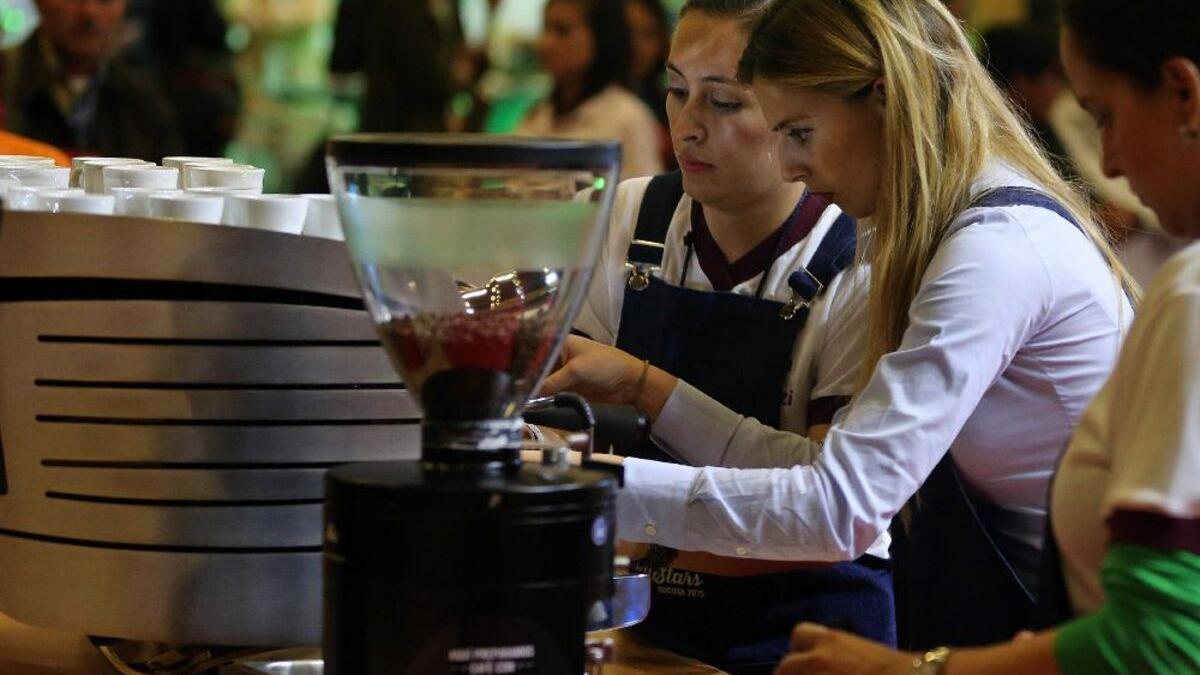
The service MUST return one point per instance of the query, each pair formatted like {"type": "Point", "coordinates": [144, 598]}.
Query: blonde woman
{"type": "Point", "coordinates": [995, 313]}
{"type": "Point", "coordinates": [1126, 500]}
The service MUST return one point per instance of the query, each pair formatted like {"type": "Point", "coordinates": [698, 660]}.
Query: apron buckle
{"type": "Point", "coordinates": [639, 277]}
{"type": "Point", "coordinates": [792, 308]}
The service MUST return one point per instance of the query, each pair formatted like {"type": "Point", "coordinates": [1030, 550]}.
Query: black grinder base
{"type": "Point", "coordinates": [463, 568]}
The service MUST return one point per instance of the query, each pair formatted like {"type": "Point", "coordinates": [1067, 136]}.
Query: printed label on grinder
{"type": "Point", "coordinates": [489, 660]}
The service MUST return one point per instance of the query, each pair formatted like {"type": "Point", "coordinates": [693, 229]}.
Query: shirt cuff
{"type": "Point", "coordinates": [651, 502]}
{"type": "Point", "coordinates": [695, 427]}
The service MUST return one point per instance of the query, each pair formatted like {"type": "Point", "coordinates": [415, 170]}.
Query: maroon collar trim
{"type": "Point", "coordinates": [725, 275]}
{"type": "Point", "coordinates": [1154, 530]}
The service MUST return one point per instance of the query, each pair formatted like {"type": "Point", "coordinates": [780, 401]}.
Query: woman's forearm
{"type": "Point", "coordinates": [1031, 656]}
{"type": "Point", "coordinates": [655, 390]}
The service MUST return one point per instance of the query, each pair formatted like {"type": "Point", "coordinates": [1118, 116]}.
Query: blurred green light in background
{"type": "Point", "coordinates": [12, 20]}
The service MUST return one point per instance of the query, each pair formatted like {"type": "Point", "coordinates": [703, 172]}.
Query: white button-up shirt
{"type": "Point", "coordinates": [1016, 325]}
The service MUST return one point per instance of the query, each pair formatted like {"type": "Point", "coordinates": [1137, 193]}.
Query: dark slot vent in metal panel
{"type": "Point", "coordinates": [151, 422]}
{"type": "Point", "coordinates": [182, 466]}
{"type": "Point", "coordinates": [201, 342]}
{"type": "Point", "coordinates": [3, 476]}
{"type": "Point", "coordinates": [156, 548]}
{"type": "Point", "coordinates": [217, 386]}
{"type": "Point", "coordinates": [178, 503]}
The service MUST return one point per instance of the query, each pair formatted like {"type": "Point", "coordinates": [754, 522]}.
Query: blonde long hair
{"type": "Point", "coordinates": [944, 121]}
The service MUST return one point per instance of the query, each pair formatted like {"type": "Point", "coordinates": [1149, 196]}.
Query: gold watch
{"type": "Point", "coordinates": [932, 662]}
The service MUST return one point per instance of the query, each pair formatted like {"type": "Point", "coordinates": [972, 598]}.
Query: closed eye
{"type": "Point", "coordinates": [728, 106]}
{"type": "Point", "coordinates": [800, 134]}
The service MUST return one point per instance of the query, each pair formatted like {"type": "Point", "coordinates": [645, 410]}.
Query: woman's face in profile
{"type": "Point", "coordinates": [1141, 132]}
{"type": "Point", "coordinates": [832, 143]}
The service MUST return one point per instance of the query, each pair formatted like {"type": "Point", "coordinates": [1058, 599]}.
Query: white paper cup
{"type": "Point", "coordinates": [179, 161]}
{"type": "Point", "coordinates": [24, 198]}
{"type": "Point", "coordinates": [189, 207]}
{"type": "Point", "coordinates": [135, 201]}
{"type": "Point", "coordinates": [225, 175]}
{"type": "Point", "coordinates": [71, 201]}
{"type": "Point", "coordinates": [36, 176]}
{"type": "Point", "coordinates": [78, 162]}
{"type": "Point", "coordinates": [277, 213]}
{"type": "Point", "coordinates": [31, 160]}
{"type": "Point", "coordinates": [322, 218]}
{"type": "Point", "coordinates": [140, 175]}
{"type": "Point", "coordinates": [91, 177]}
{"type": "Point", "coordinates": [224, 191]}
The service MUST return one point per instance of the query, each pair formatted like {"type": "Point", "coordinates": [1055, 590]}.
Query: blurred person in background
{"type": "Point", "coordinates": [184, 43]}
{"type": "Point", "coordinates": [411, 59]}
{"type": "Point", "coordinates": [281, 60]}
{"type": "Point", "coordinates": [407, 50]}
{"type": "Point", "coordinates": [1024, 61]}
{"type": "Point", "coordinates": [66, 86]}
{"type": "Point", "coordinates": [650, 33]}
{"type": "Point", "coordinates": [585, 48]}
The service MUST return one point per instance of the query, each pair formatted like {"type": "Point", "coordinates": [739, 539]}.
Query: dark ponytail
{"type": "Point", "coordinates": [1134, 37]}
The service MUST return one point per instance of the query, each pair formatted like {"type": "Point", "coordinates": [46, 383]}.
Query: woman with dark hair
{"type": "Point", "coordinates": [1126, 499]}
{"type": "Point", "coordinates": [732, 279]}
{"type": "Point", "coordinates": [585, 47]}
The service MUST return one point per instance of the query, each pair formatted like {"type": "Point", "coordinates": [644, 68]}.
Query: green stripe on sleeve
{"type": "Point", "coordinates": [1150, 622]}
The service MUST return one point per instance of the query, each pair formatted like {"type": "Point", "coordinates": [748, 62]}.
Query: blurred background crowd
{"type": "Point", "coordinates": [265, 82]}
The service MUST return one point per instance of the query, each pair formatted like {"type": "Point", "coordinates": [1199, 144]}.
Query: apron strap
{"type": "Point", "coordinates": [834, 254]}
{"type": "Point", "coordinates": [654, 219]}
{"type": "Point", "coordinates": [1024, 196]}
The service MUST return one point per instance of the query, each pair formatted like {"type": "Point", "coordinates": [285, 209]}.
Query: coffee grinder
{"type": "Point", "coordinates": [474, 254]}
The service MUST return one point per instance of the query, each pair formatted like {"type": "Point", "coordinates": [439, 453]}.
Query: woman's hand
{"type": "Point", "coordinates": [604, 374]}
{"type": "Point", "coordinates": [597, 372]}
{"type": "Point", "coordinates": [817, 650]}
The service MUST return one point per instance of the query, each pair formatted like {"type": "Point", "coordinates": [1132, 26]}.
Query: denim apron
{"type": "Point", "coordinates": [954, 585]}
{"type": "Point", "coordinates": [738, 350]}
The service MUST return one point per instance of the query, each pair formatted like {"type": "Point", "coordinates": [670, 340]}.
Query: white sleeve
{"type": "Point", "coordinates": [600, 316]}
{"type": "Point", "coordinates": [1154, 417]}
{"type": "Point", "coordinates": [842, 341]}
{"type": "Point", "coordinates": [640, 149]}
{"type": "Point", "coordinates": [983, 294]}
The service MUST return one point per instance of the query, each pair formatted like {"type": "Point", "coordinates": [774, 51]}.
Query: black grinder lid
{"type": "Point", "coordinates": [471, 150]}
{"type": "Point", "coordinates": [390, 489]}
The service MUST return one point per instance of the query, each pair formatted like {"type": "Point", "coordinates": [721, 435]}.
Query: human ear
{"type": "Point", "coordinates": [878, 94]}
{"type": "Point", "coordinates": [1181, 77]}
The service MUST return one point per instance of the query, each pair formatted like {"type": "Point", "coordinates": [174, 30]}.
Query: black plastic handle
{"type": "Point", "coordinates": [624, 427]}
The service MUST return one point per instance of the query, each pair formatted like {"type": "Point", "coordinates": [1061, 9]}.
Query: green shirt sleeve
{"type": "Point", "coordinates": [1150, 622]}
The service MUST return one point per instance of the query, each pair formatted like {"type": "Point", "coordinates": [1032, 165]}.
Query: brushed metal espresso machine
{"type": "Point", "coordinates": [172, 396]}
